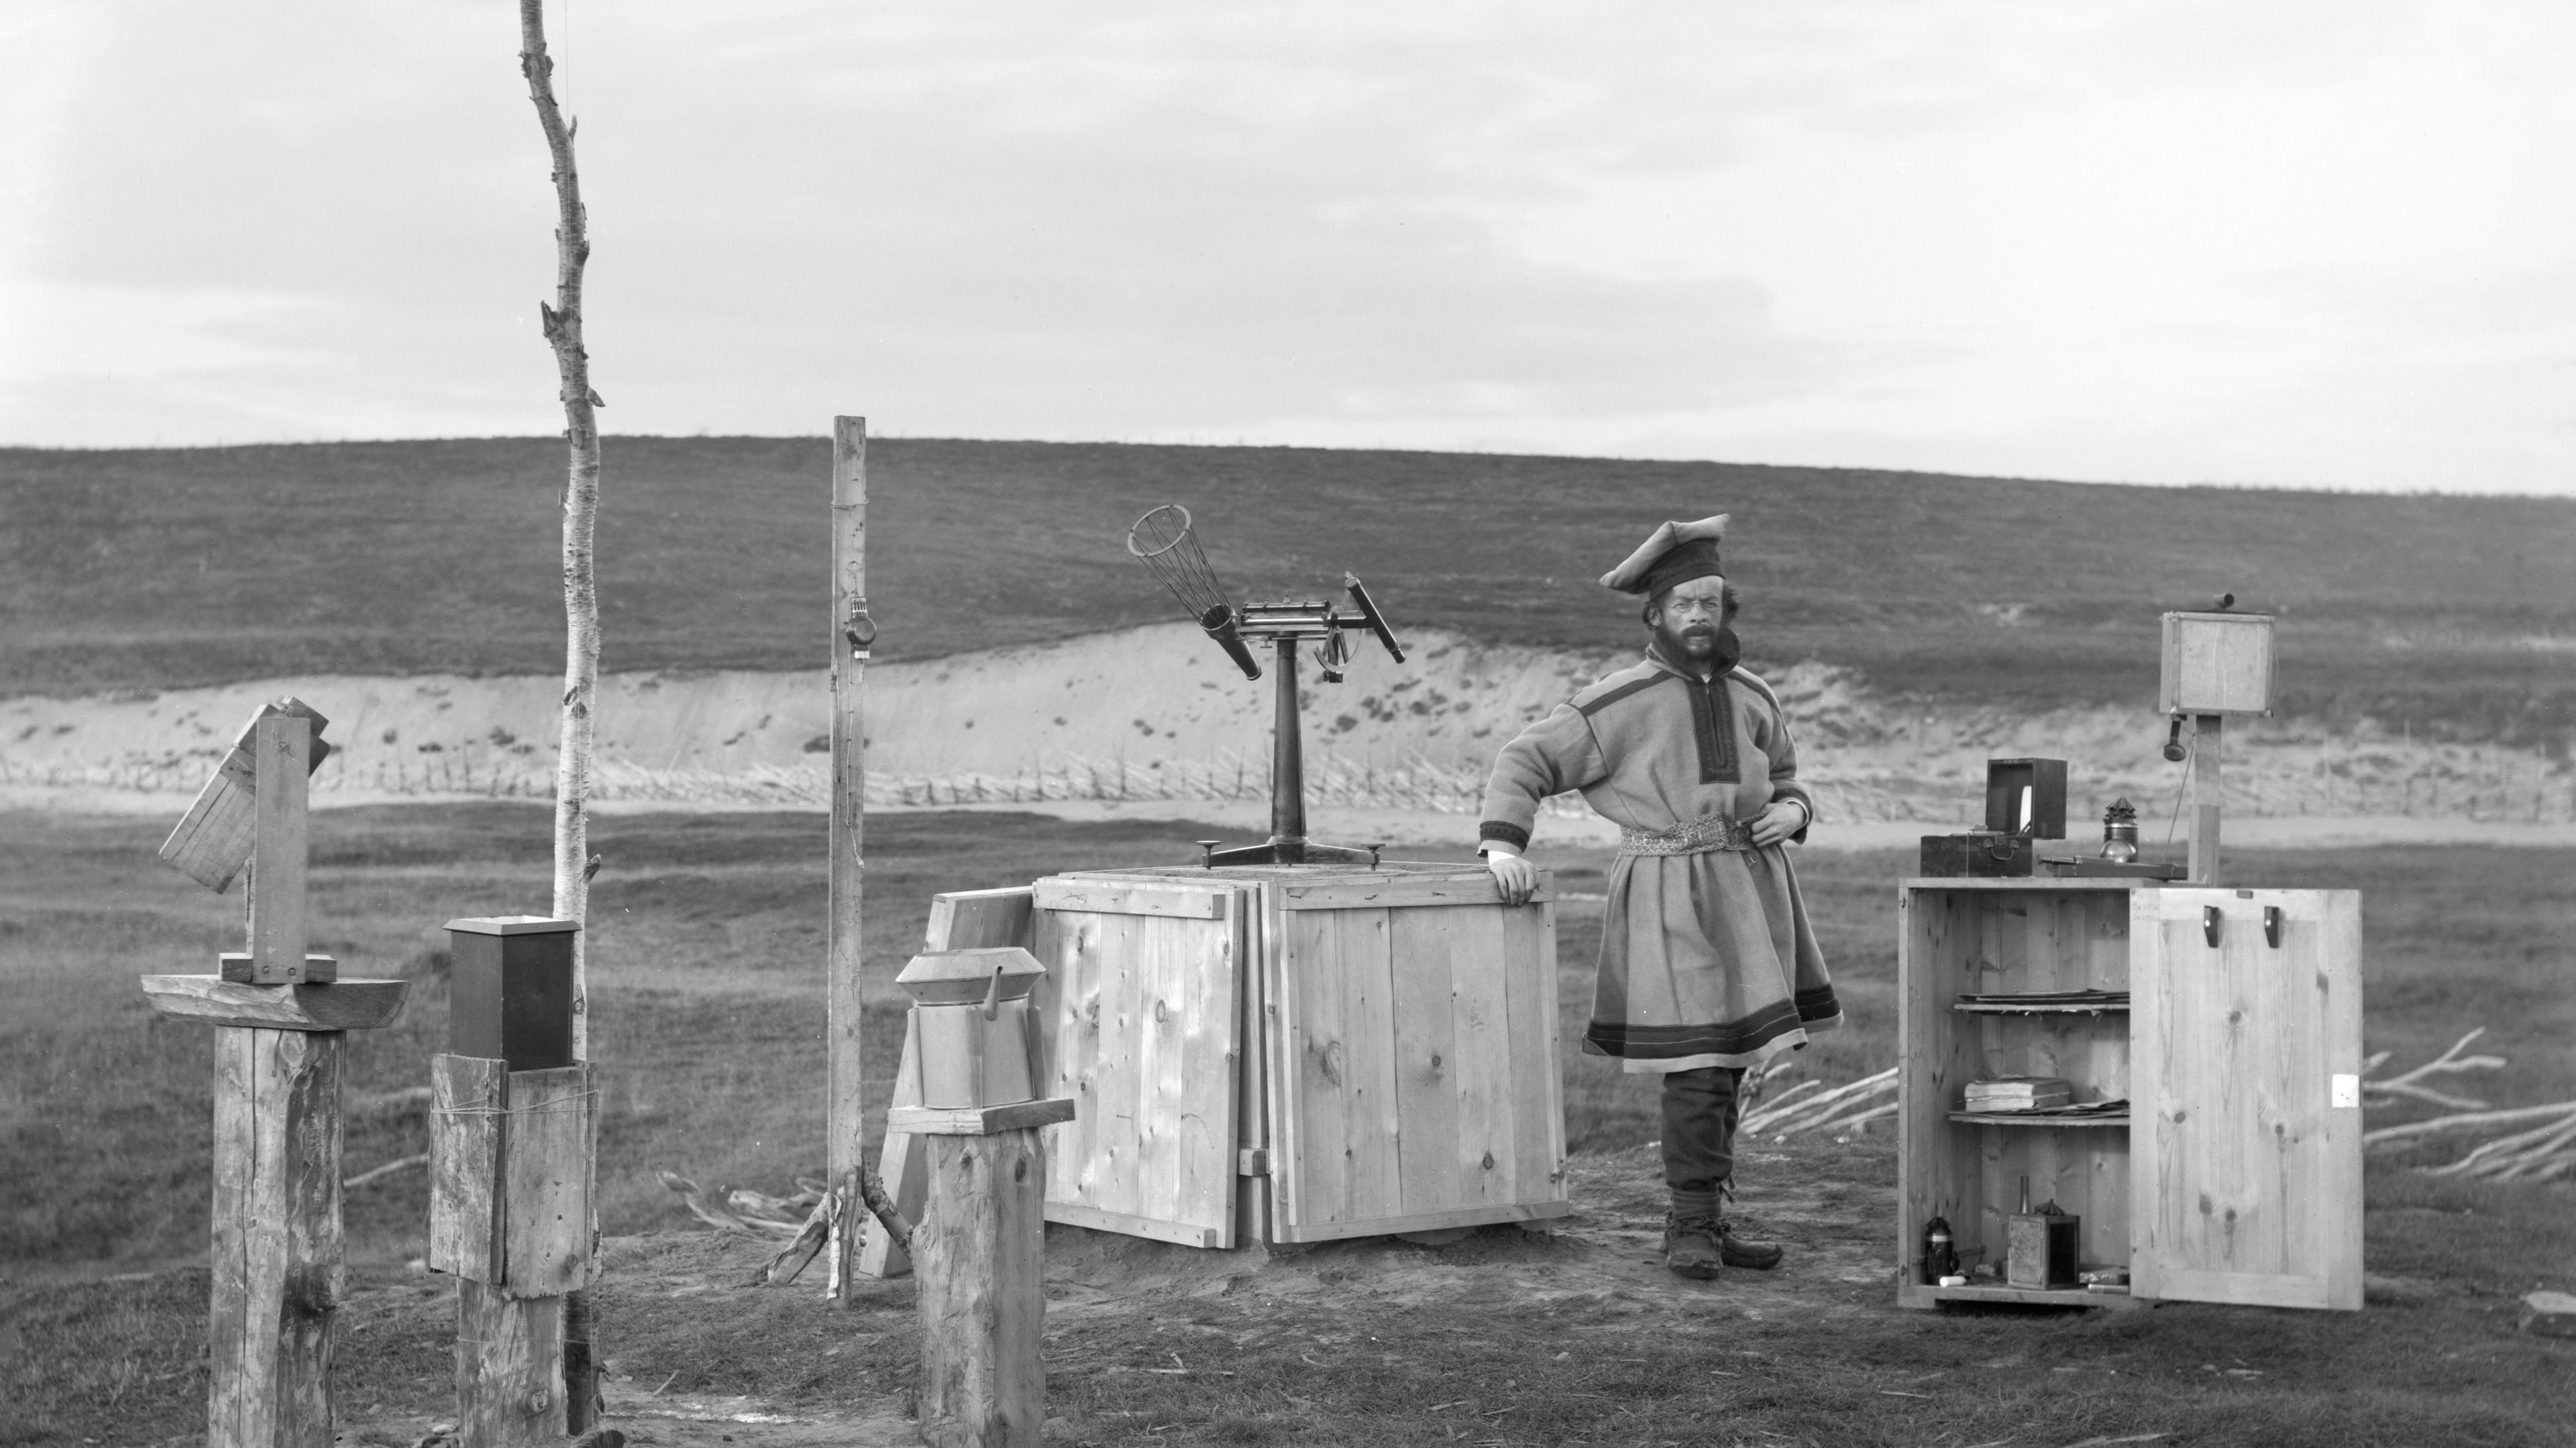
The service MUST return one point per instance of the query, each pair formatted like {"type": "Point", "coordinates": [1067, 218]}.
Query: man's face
{"type": "Point", "coordinates": [1689, 617]}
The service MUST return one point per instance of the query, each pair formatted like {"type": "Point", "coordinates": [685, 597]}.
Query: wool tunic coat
{"type": "Point", "coordinates": [1706, 959]}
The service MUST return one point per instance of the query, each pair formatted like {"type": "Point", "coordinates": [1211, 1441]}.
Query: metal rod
{"type": "Point", "coordinates": [1287, 765]}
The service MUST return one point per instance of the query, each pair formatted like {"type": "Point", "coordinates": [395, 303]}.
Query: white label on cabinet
{"type": "Point", "coordinates": [2347, 1090]}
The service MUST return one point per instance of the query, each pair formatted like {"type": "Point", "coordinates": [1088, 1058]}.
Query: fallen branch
{"type": "Point", "coordinates": [387, 1103]}
{"type": "Point", "coordinates": [2410, 1086]}
{"type": "Point", "coordinates": [872, 1190]}
{"type": "Point", "coordinates": [808, 1242]}
{"type": "Point", "coordinates": [388, 1169]}
{"type": "Point", "coordinates": [2471, 1121]}
{"type": "Point", "coordinates": [1818, 1108]}
{"type": "Point", "coordinates": [720, 1217]}
{"type": "Point", "coordinates": [1776, 1108]}
{"type": "Point", "coordinates": [2502, 1151]}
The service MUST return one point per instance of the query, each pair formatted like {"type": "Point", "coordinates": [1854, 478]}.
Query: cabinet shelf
{"type": "Point", "coordinates": [2007, 1118]}
{"type": "Point", "coordinates": [2038, 1008]}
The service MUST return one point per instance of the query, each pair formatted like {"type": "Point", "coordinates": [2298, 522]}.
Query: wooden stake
{"type": "Point", "coordinates": [978, 1254]}
{"type": "Point", "coordinates": [2205, 733]}
{"type": "Point", "coordinates": [509, 1352]}
{"type": "Point", "coordinates": [851, 635]}
{"type": "Point", "coordinates": [276, 1255]}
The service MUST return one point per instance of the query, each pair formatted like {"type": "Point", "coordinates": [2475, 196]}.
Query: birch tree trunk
{"type": "Point", "coordinates": [563, 330]}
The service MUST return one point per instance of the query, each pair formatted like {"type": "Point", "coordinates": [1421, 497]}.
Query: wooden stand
{"type": "Point", "coordinates": [280, 1024]}
{"type": "Point", "coordinates": [978, 1251]}
{"type": "Point", "coordinates": [509, 1217]}
{"type": "Point", "coordinates": [2235, 1173]}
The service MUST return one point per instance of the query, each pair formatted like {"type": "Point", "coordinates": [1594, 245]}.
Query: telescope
{"type": "Point", "coordinates": [1167, 542]}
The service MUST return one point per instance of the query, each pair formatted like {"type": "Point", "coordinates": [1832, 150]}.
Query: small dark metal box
{"type": "Point", "coordinates": [2045, 779]}
{"type": "Point", "coordinates": [1955, 856]}
{"type": "Point", "coordinates": [510, 990]}
{"type": "Point", "coordinates": [2041, 1249]}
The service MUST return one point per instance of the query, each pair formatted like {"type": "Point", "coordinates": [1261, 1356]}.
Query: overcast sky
{"type": "Point", "coordinates": [2310, 244]}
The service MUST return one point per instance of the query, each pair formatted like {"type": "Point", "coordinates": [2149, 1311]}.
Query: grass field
{"type": "Point", "coordinates": [707, 946]}
{"type": "Point", "coordinates": [157, 568]}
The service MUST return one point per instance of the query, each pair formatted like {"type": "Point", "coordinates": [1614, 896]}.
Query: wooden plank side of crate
{"type": "Point", "coordinates": [1481, 1026]}
{"type": "Point", "coordinates": [1529, 988]}
{"type": "Point", "coordinates": [1129, 897]}
{"type": "Point", "coordinates": [213, 840]}
{"type": "Point", "coordinates": [1938, 1166]}
{"type": "Point", "coordinates": [1204, 1094]}
{"type": "Point", "coordinates": [1309, 1175]}
{"type": "Point", "coordinates": [1365, 956]}
{"type": "Point", "coordinates": [1467, 887]}
{"type": "Point", "coordinates": [1423, 944]}
{"type": "Point", "coordinates": [1140, 1016]}
{"type": "Point", "coordinates": [1069, 1018]}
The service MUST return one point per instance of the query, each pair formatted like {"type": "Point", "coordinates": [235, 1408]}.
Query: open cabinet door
{"type": "Point", "coordinates": [1139, 1017]}
{"type": "Point", "coordinates": [2245, 1096]}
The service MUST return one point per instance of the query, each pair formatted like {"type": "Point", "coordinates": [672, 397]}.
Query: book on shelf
{"type": "Point", "coordinates": [2019, 1093]}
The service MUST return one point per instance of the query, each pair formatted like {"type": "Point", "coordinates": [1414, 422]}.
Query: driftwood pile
{"type": "Point", "coordinates": [803, 1221]}
{"type": "Point", "coordinates": [2543, 1149]}
{"type": "Point", "coordinates": [1808, 1106]}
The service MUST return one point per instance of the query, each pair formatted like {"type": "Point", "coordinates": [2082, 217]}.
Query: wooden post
{"type": "Point", "coordinates": [978, 1252]}
{"type": "Point", "coordinates": [852, 634]}
{"type": "Point", "coordinates": [276, 1260]}
{"type": "Point", "coordinates": [2205, 730]}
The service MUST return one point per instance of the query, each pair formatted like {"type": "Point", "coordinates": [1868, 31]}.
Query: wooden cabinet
{"type": "Point", "coordinates": [2235, 1174]}
{"type": "Point", "coordinates": [1297, 1053]}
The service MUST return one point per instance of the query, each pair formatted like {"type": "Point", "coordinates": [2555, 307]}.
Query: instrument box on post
{"type": "Point", "coordinates": [510, 990]}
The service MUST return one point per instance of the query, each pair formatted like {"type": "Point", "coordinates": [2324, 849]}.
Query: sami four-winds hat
{"type": "Point", "coordinates": [1674, 553]}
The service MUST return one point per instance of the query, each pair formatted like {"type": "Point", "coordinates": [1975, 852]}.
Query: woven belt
{"type": "Point", "coordinates": [1694, 837]}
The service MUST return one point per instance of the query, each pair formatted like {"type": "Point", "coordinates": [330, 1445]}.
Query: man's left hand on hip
{"type": "Point", "coordinates": [1779, 819]}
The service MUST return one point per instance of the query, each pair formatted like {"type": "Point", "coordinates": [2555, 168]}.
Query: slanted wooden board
{"type": "Point", "coordinates": [275, 1256]}
{"type": "Point", "coordinates": [2246, 1097]}
{"type": "Point", "coordinates": [469, 1102]}
{"type": "Point", "coordinates": [959, 920]}
{"type": "Point", "coordinates": [213, 840]}
{"type": "Point", "coordinates": [545, 1195]}
{"type": "Point", "coordinates": [1140, 1016]}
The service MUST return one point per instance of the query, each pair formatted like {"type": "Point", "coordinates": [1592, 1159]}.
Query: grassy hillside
{"type": "Point", "coordinates": [150, 568]}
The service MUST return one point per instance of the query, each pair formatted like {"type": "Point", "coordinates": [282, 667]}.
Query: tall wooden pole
{"type": "Point", "coordinates": [852, 634]}
{"type": "Point", "coordinates": [562, 323]}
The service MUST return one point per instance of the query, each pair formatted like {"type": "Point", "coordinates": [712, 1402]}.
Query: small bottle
{"type": "Point", "coordinates": [2025, 1196]}
{"type": "Point", "coordinates": [1940, 1254]}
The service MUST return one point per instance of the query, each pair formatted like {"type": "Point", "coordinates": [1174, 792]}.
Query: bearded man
{"type": "Point", "coordinates": [1708, 964]}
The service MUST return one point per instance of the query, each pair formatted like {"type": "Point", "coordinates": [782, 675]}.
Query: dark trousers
{"type": "Point", "coordinates": [1700, 1111]}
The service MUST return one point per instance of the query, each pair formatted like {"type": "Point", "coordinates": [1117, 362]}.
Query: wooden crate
{"type": "Point", "coordinates": [2235, 1176]}
{"type": "Point", "coordinates": [1299, 1053]}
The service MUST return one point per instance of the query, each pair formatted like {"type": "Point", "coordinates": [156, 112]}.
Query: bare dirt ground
{"type": "Point", "coordinates": [1106, 1294]}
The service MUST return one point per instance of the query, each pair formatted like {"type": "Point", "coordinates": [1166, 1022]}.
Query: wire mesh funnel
{"type": "Point", "coordinates": [1167, 544]}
